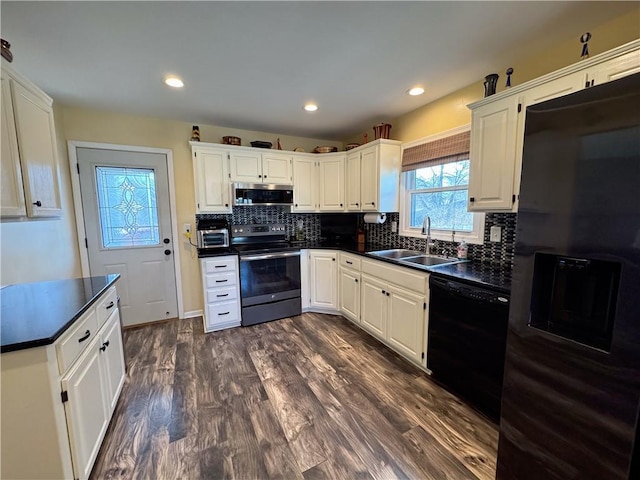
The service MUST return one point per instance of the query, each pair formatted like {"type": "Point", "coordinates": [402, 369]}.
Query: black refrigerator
{"type": "Point", "coordinates": [571, 391]}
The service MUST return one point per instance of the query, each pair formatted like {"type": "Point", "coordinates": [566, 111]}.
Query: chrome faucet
{"type": "Point", "coordinates": [426, 230]}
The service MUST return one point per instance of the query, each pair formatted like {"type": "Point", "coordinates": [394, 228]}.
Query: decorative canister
{"type": "Point", "coordinates": [490, 84]}
{"type": "Point", "coordinates": [382, 130]}
{"type": "Point", "coordinates": [195, 134]}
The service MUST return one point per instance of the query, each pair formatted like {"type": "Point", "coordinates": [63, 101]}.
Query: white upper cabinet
{"type": "Point", "coordinates": [30, 180]}
{"type": "Point", "coordinates": [251, 166]}
{"type": "Point", "coordinates": [305, 184]}
{"type": "Point", "coordinates": [493, 147]}
{"type": "Point", "coordinates": [615, 68]}
{"type": "Point", "coordinates": [211, 175]}
{"type": "Point", "coordinates": [373, 177]}
{"type": "Point", "coordinates": [12, 200]}
{"type": "Point", "coordinates": [332, 184]}
{"type": "Point", "coordinates": [497, 124]}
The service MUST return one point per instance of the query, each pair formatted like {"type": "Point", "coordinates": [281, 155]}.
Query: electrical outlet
{"type": "Point", "coordinates": [394, 226]}
{"type": "Point", "coordinates": [495, 233]}
{"type": "Point", "coordinates": [186, 228]}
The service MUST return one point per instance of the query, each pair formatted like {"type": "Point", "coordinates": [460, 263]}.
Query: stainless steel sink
{"type": "Point", "coordinates": [428, 260]}
{"type": "Point", "coordinates": [395, 253]}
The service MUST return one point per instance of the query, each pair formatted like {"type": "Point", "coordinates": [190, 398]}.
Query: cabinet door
{"type": "Point", "coordinates": [277, 168]}
{"type": "Point", "coordinates": [86, 409]}
{"type": "Point", "coordinates": [324, 290]}
{"type": "Point", "coordinates": [370, 180]}
{"type": "Point", "coordinates": [213, 190]}
{"type": "Point", "coordinates": [547, 91]}
{"type": "Point", "coordinates": [246, 167]}
{"type": "Point", "coordinates": [112, 358]}
{"type": "Point", "coordinates": [493, 150]}
{"type": "Point", "coordinates": [405, 325]}
{"type": "Point", "coordinates": [332, 184]}
{"type": "Point", "coordinates": [615, 68]}
{"type": "Point", "coordinates": [38, 152]}
{"type": "Point", "coordinates": [305, 178]}
{"type": "Point", "coordinates": [350, 294]}
{"type": "Point", "coordinates": [11, 191]}
{"type": "Point", "coordinates": [353, 182]}
{"type": "Point", "coordinates": [373, 313]}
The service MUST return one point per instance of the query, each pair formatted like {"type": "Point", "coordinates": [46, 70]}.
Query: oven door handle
{"type": "Point", "coordinates": [268, 256]}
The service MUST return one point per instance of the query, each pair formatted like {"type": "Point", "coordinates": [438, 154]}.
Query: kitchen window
{"type": "Point", "coordinates": [435, 183]}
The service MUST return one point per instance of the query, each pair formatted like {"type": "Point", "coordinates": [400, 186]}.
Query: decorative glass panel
{"type": "Point", "coordinates": [127, 206]}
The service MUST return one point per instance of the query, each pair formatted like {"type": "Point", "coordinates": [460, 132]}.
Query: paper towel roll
{"type": "Point", "coordinates": [375, 217]}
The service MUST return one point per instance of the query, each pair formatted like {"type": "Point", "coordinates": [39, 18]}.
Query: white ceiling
{"type": "Point", "coordinates": [252, 65]}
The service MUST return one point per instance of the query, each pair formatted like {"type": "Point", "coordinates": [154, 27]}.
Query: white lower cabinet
{"type": "Point", "coordinates": [374, 303]}
{"type": "Point", "coordinates": [221, 292]}
{"type": "Point", "coordinates": [394, 307]}
{"type": "Point", "coordinates": [92, 388]}
{"type": "Point", "coordinates": [58, 399]}
{"type": "Point", "coordinates": [405, 329]}
{"type": "Point", "coordinates": [323, 267]}
{"type": "Point", "coordinates": [350, 294]}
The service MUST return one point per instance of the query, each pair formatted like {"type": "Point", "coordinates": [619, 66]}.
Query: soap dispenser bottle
{"type": "Point", "coordinates": [463, 249]}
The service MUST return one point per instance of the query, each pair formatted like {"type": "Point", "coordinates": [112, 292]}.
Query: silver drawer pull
{"type": "Point", "coordinates": [111, 304]}
{"type": "Point", "coordinates": [224, 295]}
{"type": "Point", "coordinates": [225, 313]}
{"type": "Point", "coordinates": [222, 281]}
{"type": "Point", "coordinates": [87, 334]}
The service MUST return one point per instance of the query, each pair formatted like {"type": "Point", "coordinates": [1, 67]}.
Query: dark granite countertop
{"type": "Point", "coordinates": [475, 272]}
{"type": "Point", "coordinates": [36, 314]}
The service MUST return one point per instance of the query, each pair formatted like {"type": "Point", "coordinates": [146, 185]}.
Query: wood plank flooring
{"type": "Point", "coordinates": [311, 397]}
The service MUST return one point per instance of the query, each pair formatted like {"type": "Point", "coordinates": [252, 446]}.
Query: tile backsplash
{"type": "Point", "coordinates": [493, 254]}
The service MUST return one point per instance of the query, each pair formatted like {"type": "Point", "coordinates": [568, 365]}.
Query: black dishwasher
{"type": "Point", "coordinates": [467, 341]}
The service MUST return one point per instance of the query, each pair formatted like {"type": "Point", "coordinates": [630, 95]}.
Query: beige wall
{"type": "Point", "coordinates": [105, 127]}
{"type": "Point", "coordinates": [451, 111]}
{"type": "Point", "coordinates": [39, 250]}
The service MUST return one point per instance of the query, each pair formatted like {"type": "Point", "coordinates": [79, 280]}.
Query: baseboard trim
{"type": "Point", "coordinates": [192, 314]}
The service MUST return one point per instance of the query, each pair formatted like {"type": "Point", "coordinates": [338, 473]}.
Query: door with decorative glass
{"type": "Point", "coordinates": [125, 198]}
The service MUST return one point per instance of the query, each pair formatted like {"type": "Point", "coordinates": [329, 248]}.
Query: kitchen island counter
{"type": "Point", "coordinates": [36, 314]}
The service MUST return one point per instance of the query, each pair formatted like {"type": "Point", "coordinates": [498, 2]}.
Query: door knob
{"type": "Point", "coordinates": [166, 240]}
{"type": "Point", "coordinates": [167, 252]}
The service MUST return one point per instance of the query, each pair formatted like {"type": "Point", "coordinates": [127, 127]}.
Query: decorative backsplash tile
{"type": "Point", "coordinates": [497, 255]}
{"type": "Point", "coordinates": [262, 214]}
{"type": "Point", "coordinates": [494, 254]}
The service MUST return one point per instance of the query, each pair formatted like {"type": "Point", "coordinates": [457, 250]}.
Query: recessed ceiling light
{"type": "Point", "coordinates": [174, 82]}
{"type": "Point", "coordinates": [415, 91]}
{"type": "Point", "coordinates": [311, 107]}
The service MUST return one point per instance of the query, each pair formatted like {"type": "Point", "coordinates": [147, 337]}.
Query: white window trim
{"type": "Point", "coordinates": [475, 236]}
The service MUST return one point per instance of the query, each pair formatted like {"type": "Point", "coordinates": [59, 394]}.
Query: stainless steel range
{"type": "Point", "coordinates": [269, 273]}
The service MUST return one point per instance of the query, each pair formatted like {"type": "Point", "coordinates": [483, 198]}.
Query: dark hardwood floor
{"type": "Point", "coordinates": [310, 397]}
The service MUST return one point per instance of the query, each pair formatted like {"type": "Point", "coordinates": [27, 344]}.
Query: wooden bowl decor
{"type": "Point", "coordinates": [351, 146]}
{"type": "Point", "coordinates": [325, 149]}
{"type": "Point", "coordinates": [229, 140]}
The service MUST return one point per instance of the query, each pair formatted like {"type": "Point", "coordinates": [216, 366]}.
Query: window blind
{"type": "Point", "coordinates": [443, 150]}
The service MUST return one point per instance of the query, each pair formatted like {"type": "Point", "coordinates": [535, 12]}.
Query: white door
{"type": "Point", "coordinates": [125, 197]}
{"type": "Point", "coordinates": [324, 290]}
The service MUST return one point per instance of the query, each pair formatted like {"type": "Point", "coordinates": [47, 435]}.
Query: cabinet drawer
{"type": "Point", "coordinates": [350, 261]}
{"type": "Point", "coordinates": [75, 340]}
{"type": "Point", "coordinates": [401, 276]}
{"type": "Point", "coordinates": [107, 305]}
{"type": "Point", "coordinates": [221, 294]}
{"type": "Point", "coordinates": [223, 313]}
{"type": "Point", "coordinates": [220, 264]}
{"type": "Point", "coordinates": [220, 279]}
